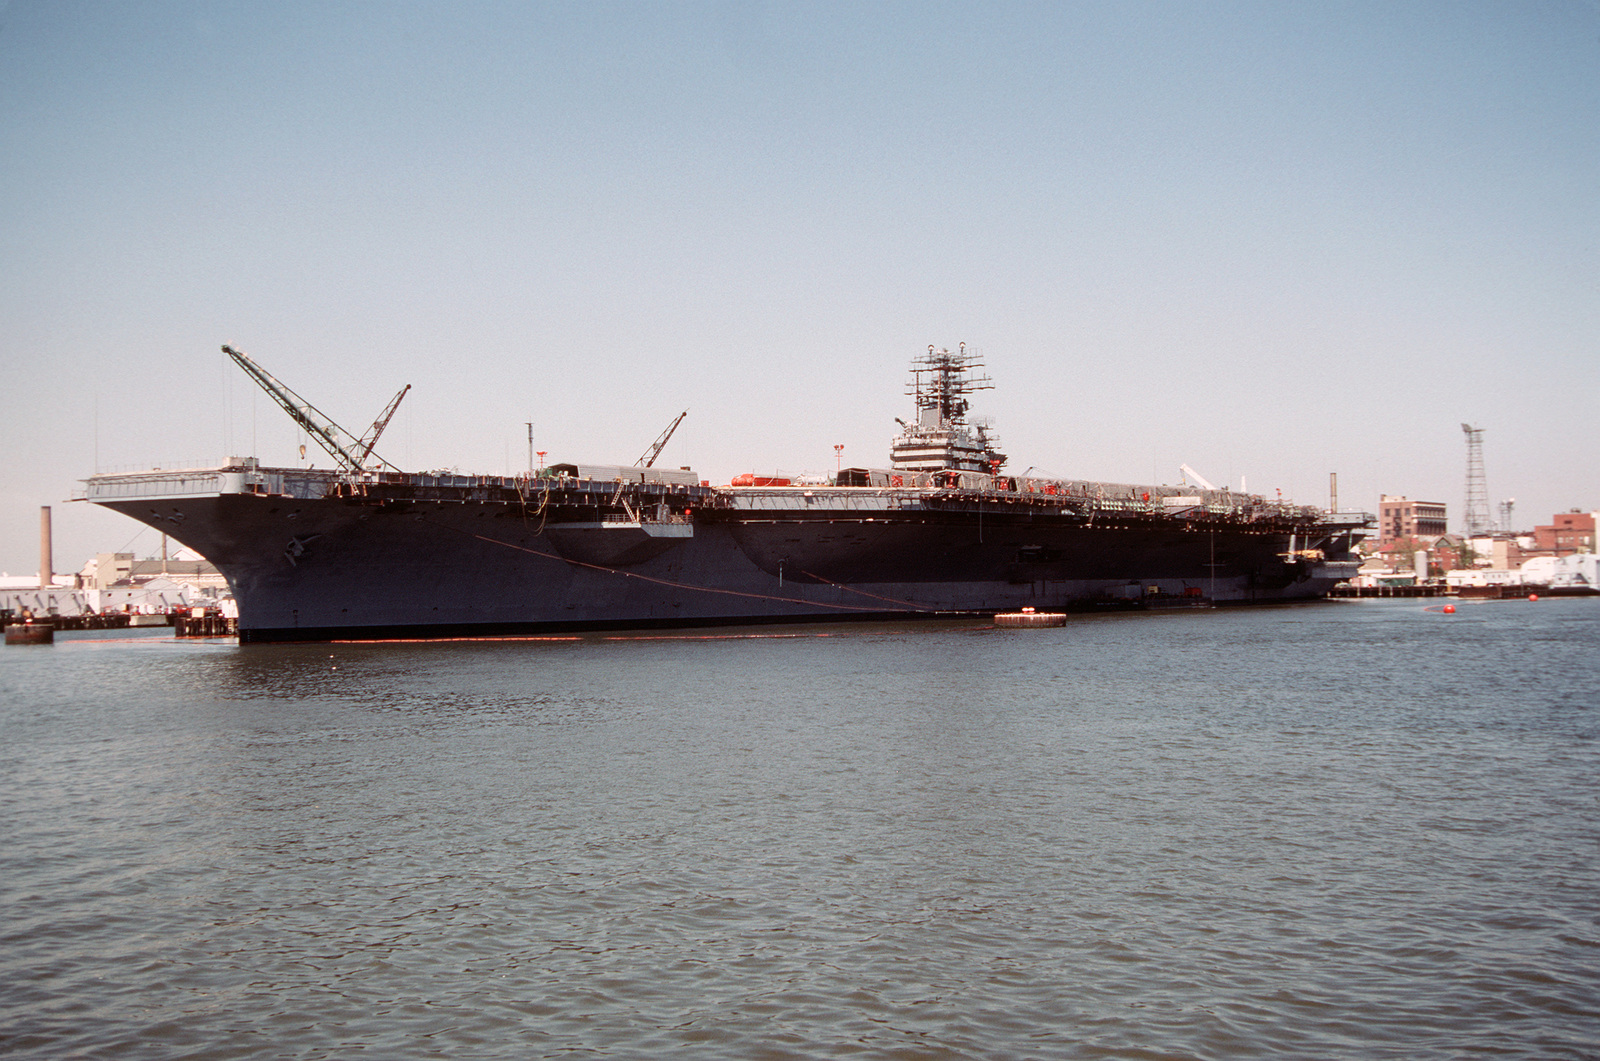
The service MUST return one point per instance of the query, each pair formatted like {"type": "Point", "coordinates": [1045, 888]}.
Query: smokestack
{"type": "Point", "coordinates": [46, 561]}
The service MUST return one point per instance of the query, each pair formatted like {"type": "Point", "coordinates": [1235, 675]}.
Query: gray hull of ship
{"type": "Point", "coordinates": [330, 569]}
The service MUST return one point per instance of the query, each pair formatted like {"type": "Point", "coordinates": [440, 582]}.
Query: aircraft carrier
{"type": "Point", "coordinates": [363, 551]}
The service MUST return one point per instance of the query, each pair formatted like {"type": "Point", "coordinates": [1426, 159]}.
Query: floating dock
{"type": "Point", "coordinates": [30, 634]}
{"type": "Point", "coordinates": [1028, 618]}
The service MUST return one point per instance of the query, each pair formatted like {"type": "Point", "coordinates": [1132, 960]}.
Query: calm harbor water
{"type": "Point", "coordinates": [1356, 829]}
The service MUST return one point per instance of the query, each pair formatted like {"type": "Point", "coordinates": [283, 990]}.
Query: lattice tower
{"type": "Point", "coordinates": [1477, 515]}
{"type": "Point", "coordinates": [1507, 525]}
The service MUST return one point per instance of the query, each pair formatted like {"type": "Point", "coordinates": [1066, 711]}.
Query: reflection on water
{"type": "Point", "coordinates": [1361, 830]}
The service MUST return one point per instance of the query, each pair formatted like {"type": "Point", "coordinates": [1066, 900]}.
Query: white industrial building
{"type": "Point", "coordinates": [22, 593]}
{"type": "Point", "coordinates": [1578, 572]}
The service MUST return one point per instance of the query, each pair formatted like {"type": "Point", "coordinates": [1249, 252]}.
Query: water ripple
{"type": "Point", "coordinates": [1334, 832]}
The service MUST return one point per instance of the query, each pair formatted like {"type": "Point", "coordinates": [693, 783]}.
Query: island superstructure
{"type": "Point", "coordinates": [940, 438]}
{"type": "Point", "coordinates": [363, 551]}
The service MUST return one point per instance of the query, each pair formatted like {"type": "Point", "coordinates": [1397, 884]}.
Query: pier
{"type": "Point", "coordinates": [1349, 592]}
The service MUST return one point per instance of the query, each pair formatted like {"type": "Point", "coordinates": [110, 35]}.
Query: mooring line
{"type": "Point", "coordinates": [864, 593]}
{"type": "Point", "coordinates": [906, 605]}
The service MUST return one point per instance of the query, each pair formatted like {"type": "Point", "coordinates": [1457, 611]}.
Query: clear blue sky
{"type": "Point", "coordinates": [1269, 240]}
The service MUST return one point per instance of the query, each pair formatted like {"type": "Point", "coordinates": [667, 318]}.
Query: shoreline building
{"type": "Point", "coordinates": [1566, 533]}
{"type": "Point", "coordinates": [116, 582]}
{"type": "Point", "coordinates": [1400, 517]}
{"type": "Point", "coordinates": [1413, 542]}
{"type": "Point", "coordinates": [1570, 533]}
{"type": "Point", "coordinates": [21, 594]}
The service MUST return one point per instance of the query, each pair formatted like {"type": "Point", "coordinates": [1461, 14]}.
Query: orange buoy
{"type": "Point", "coordinates": [1533, 596]}
{"type": "Point", "coordinates": [1449, 609]}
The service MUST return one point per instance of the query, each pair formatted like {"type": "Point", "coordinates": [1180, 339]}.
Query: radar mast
{"type": "Point", "coordinates": [941, 439]}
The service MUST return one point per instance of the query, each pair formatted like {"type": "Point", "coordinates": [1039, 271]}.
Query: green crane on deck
{"type": "Point", "coordinates": [353, 455]}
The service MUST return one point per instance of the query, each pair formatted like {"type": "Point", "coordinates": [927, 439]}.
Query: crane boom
{"type": "Point", "coordinates": [339, 443]}
{"type": "Point", "coordinates": [1199, 479]}
{"type": "Point", "coordinates": [370, 439]}
{"type": "Point", "coordinates": [659, 444]}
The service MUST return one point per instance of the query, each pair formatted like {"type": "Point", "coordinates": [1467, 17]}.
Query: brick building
{"type": "Point", "coordinates": [1565, 534]}
{"type": "Point", "coordinates": [1400, 518]}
